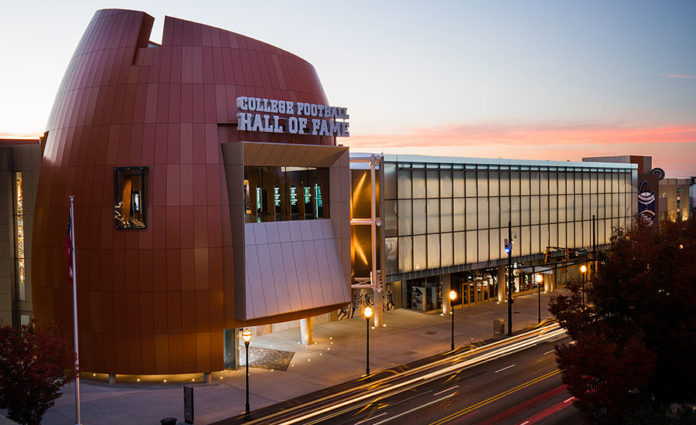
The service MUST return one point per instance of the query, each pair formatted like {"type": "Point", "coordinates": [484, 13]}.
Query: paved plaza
{"type": "Point", "coordinates": [337, 356]}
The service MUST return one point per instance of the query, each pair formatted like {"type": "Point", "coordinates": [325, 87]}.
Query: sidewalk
{"type": "Point", "coordinates": [337, 356]}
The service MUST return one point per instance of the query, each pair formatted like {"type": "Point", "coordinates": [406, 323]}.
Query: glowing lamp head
{"type": "Point", "coordinates": [367, 312]}
{"type": "Point", "coordinates": [452, 295]}
{"type": "Point", "coordinates": [583, 268]}
{"type": "Point", "coordinates": [246, 336]}
{"type": "Point", "coordinates": [539, 278]}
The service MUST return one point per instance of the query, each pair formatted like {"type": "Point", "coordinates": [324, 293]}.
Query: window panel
{"type": "Point", "coordinates": [459, 214]}
{"type": "Point", "coordinates": [562, 241]}
{"type": "Point", "coordinates": [389, 180]}
{"type": "Point", "coordinates": [471, 183]}
{"type": "Point", "coordinates": [553, 209]}
{"type": "Point", "coordinates": [404, 183]}
{"type": "Point", "coordinates": [446, 254]}
{"type": "Point", "coordinates": [391, 255]}
{"type": "Point", "coordinates": [515, 210]}
{"type": "Point", "coordinates": [405, 218]}
{"type": "Point", "coordinates": [482, 183]}
{"type": "Point", "coordinates": [504, 183]}
{"type": "Point", "coordinates": [534, 209]}
{"type": "Point", "coordinates": [418, 184]}
{"type": "Point", "coordinates": [553, 183]}
{"type": "Point", "coordinates": [495, 249]}
{"type": "Point", "coordinates": [578, 235]}
{"type": "Point", "coordinates": [390, 219]}
{"type": "Point", "coordinates": [544, 237]}
{"type": "Point", "coordinates": [433, 216]}
{"type": "Point", "coordinates": [433, 251]}
{"type": "Point", "coordinates": [405, 253]}
{"type": "Point", "coordinates": [586, 209]}
{"type": "Point", "coordinates": [524, 183]}
{"type": "Point", "coordinates": [578, 183]}
{"type": "Point", "coordinates": [483, 245]}
{"type": "Point", "coordinates": [514, 183]}
{"type": "Point", "coordinates": [458, 183]}
{"type": "Point", "coordinates": [482, 213]}
{"type": "Point", "coordinates": [544, 209]}
{"type": "Point", "coordinates": [525, 239]}
{"type": "Point", "coordinates": [130, 197]}
{"type": "Point", "coordinates": [494, 212]}
{"type": "Point", "coordinates": [459, 248]}
{"type": "Point", "coordinates": [504, 211]}
{"type": "Point", "coordinates": [433, 183]}
{"type": "Point", "coordinates": [544, 183]}
{"type": "Point", "coordinates": [471, 247]}
{"type": "Point", "coordinates": [445, 215]}
{"type": "Point", "coordinates": [561, 183]}
{"type": "Point", "coordinates": [419, 252]}
{"type": "Point", "coordinates": [471, 214]}
{"type": "Point", "coordinates": [525, 215]}
{"type": "Point", "coordinates": [419, 217]}
{"type": "Point", "coordinates": [593, 182]}
{"type": "Point", "coordinates": [493, 183]}
{"type": "Point", "coordinates": [446, 184]}
{"type": "Point", "coordinates": [562, 208]}
{"type": "Point", "coordinates": [553, 235]}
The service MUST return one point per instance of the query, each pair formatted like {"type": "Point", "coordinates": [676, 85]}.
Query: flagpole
{"type": "Point", "coordinates": [74, 291]}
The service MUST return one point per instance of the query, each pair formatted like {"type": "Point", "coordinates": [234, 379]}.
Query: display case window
{"type": "Point", "coordinates": [130, 197]}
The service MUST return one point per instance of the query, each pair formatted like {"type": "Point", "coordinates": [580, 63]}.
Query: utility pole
{"type": "Point", "coordinates": [508, 248]}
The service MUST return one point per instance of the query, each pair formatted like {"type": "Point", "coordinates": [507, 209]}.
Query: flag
{"type": "Point", "coordinates": [68, 246]}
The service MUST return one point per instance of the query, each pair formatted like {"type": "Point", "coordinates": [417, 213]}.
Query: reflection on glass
{"type": "Point", "coordinates": [130, 197]}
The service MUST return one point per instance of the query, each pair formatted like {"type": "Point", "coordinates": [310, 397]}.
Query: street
{"type": "Point", "coordinates": [513, 381]}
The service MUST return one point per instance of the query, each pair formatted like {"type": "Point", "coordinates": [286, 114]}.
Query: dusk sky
{"type": "Point", "coordinates": [526, 79]}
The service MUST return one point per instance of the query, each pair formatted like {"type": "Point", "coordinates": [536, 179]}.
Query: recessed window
{"type": "Point", "coordinates": [130, 196]}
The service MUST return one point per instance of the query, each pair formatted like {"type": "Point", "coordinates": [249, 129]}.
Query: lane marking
{"type": "Point", "coordinates": [512, 345]}
{"type": "Point", "coordinates": [496, 397]}
{"type": "Point", "coordinates": [369, 419]}
{"type": "Point", "coordinates": [505, 368]}
{"type": "Point", "coordinates": [547, 412]}
{"type": "Point", "coordinates": [414, 409]}
{"type": "Point", "coordinates": [528, 404]}
{"type": "Point", "coordinates": [444, 391]}
{"type": "Point", "coordinates": [549, 352]}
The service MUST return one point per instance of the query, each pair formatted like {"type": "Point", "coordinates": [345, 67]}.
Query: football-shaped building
{"type": "Point", "coordinates": [210, 194]}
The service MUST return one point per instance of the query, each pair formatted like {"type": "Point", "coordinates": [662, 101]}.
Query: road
{"type": "Point", "coordinates": [514, 381]}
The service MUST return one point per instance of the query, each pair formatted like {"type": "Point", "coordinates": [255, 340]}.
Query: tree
{"type": "Point", "coordinates": [34, 363]}
{"type": "Point", "coordinates": [635, 342]}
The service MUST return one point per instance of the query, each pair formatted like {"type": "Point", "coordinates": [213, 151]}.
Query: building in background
{"type": "Point", "coordinates": [444, 222]}
{"type": "Point", "coordinates": [20, 160]}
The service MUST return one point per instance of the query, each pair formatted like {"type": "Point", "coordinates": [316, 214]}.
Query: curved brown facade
{"type": "Point", "coordinates": [152, 300]}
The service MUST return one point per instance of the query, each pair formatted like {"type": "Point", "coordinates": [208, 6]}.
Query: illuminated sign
{"type": "Point", "coordinates": [283, 116]}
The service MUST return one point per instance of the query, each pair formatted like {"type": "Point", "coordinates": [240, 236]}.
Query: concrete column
{"type": "Point", "coordinates": [378, 308]}
{"type": "Point", "coordinates": [501, 284]}
{"type": "Point", "coordinates": [206, 378]}
{"type": "Point", "coordinates": [231, 349]}
{"type": "Point", "coordinates": [446, 287]}
{"type": "Point", "coordinates": [112, 378]}
{"type": "Point", "coordinates": [307, 331]}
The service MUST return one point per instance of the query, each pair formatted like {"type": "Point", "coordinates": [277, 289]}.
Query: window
{"type": "Point", "coordinates": [130, 197]}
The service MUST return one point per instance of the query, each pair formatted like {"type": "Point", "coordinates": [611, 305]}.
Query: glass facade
{"type": "Point", "coordinates": [442, 214]}
{"type": "Point", "coordinates": [285, 193]}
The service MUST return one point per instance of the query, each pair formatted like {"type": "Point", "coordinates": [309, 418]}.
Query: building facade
{"type": "Point", "coordinates": [169, 150]}
{"type": "Point", "coordinates": [445, 220]}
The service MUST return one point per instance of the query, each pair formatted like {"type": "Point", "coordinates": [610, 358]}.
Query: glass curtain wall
{"type": "Point", "coordinates": [439, 215]}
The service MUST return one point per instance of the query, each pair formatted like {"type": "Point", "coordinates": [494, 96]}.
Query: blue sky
{"type": "Point", "coordinates": [525, 79]}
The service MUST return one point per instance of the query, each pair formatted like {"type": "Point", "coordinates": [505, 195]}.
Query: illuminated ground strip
{"type": "Point", "coordinates": [554, 331]}
{"type": "Point", "coordinates": [496, 397]}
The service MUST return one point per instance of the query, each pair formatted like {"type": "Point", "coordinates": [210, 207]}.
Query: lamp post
{"type": "Point", "coordinates": [452, 297]}
{"type": "Point", "coordinates": [246, 336]}
{"type": "Point", "coordinates": [539, 279]}
{"type": "Point", "coordinates": [583, 270]}
{"type": "Point", "coordinates": [367, 313]}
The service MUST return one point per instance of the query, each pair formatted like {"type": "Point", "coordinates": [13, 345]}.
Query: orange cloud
{"type": "Point", "coordinates": [537, 135]}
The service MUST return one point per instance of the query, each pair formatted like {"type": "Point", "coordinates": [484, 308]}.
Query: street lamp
{"type": "Point", "coordinates": [583, 270]}
{"type": "Point", "coordinates": [246, 336]}
{"type": "Point", "coordinates": [452, 297]}
{"type": "Point", "coordinates": [539, 278]}
{"type": "Point", "coordinates": [367, 313]}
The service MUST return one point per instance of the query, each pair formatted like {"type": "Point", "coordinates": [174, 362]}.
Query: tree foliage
{"type": "Point", "coordinates": [34, 363]}
{"type": "Point", "coordinates": [635, 341]}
